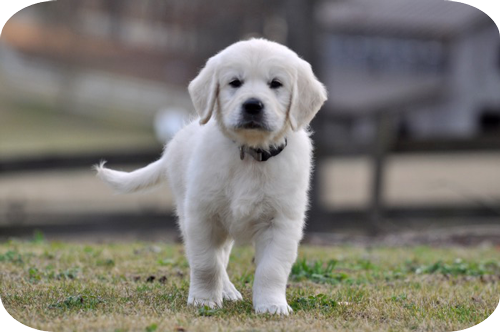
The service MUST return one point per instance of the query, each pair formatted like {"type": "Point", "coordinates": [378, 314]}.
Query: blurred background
{"type": "Point", "coordinates": [408, 142]}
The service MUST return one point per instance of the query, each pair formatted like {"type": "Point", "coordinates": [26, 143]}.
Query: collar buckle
{"type": "Point", "coordinates": [259, 154]}
{"type": "Point", "coordinates": [242, 152]}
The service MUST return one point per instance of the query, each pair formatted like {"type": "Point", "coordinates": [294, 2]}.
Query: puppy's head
{"type": "Point", "coordinates": [258, 90]}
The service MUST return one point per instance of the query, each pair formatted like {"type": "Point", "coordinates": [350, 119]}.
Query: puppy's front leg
{"type": "Point", "coordinates": [275, 252]}
{"type": "Point", "coordinates": [204, 249]}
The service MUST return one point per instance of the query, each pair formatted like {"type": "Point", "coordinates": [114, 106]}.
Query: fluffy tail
{"type": "Point", "coordinates": [138, 180]}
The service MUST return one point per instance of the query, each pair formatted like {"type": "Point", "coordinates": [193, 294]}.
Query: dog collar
{"type": "Point", "coordinates": [260, 154]}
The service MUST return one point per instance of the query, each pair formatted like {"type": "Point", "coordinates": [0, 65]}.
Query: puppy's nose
{"type": "Point", "coordinates": [253, 106]}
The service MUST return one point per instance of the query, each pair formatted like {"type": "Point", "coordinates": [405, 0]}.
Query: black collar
{"type": "Point", "coordinates": [260, 154]}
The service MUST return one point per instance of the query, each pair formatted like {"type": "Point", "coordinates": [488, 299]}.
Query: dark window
{"type": "Point", "coordinates": [490, 121]}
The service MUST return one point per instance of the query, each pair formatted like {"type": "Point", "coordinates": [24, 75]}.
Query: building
{"type": "Point", "coordinates": [432, 64]}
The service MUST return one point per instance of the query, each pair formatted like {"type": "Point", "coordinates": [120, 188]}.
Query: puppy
{"type": "Point", "coordinates": [241, 172]}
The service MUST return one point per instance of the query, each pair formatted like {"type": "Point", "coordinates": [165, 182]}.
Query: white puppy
{"type": "Point", "coordinates": [244, 175]}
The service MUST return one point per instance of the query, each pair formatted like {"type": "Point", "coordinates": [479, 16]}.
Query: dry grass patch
{"type": "Point", "coordinates": [143, 287]}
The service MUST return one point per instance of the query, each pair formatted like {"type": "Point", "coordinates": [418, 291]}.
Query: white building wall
{"type": "Point", "coordinates": [473, 83]}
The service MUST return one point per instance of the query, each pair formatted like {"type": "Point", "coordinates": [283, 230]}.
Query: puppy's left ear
{"type": "Point", "coordinates": [308, 95]}
{"type": "Point", "coordinates": [204, 90]}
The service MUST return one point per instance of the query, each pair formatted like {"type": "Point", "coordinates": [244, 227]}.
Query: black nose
{"type": "Point", "coordinates": [253, 106]}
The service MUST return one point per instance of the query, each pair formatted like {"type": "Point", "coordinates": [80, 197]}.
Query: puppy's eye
{"type": "Point", "coordinates": [236, 83]}
{"type": "Point", "coordinates": [275, 84]}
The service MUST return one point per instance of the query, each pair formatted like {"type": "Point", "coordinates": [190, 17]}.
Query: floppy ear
{"type": "Point", "coordinates": [204, 90]}
{"type": "Point", "coordinates": [308, 95]}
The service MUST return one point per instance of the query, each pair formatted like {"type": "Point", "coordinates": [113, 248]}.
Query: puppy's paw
{"type": "Point", "coordinates": [278, 309]}
{"type": "Point", "coordinates": [200, 302]}
{"type": "Point", "coordinates": [230, 293]}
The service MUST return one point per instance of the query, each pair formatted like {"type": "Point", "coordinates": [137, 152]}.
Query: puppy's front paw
{"type": "Point", "coordinates": [278, 309]}
{"type": "Point", "coordinates": [200, 302]}
{"type": "Point", "coordinates": [229, 292]}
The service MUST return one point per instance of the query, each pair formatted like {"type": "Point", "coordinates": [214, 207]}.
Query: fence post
{"type": "Point", "coordinates": [379, 153]}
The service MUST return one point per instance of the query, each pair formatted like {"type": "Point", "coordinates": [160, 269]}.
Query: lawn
{"type": "Point", "coordinates": [38, 129]}
{"type": "Point", "coordinates": [143, 286]}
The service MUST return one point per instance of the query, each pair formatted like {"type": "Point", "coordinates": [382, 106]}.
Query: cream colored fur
{"type": "Point", "coordinates": [220, 198]}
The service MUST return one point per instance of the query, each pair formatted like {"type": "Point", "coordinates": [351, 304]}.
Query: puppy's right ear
{"type": "Point", "coordinates": [204, 90]}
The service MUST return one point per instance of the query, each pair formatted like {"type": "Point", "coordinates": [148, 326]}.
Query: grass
{"type": "Point", "coordinates": [141, 286]}
{"type": "Point", "coordinates": [35, 129]}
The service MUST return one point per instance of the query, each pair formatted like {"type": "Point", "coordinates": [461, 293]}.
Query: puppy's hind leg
{"type": "Point", "coordinates": [229, 292]}
{"type": "Point", "coordinates": [204, 249]}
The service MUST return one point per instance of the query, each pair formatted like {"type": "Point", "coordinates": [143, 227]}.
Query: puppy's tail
{"type": "Point", "coordinates": [138, 180]}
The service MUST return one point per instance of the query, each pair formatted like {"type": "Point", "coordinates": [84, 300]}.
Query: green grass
{"type": "Point", "coordinates": [140, 286]}
{"type": "Point", "coordinates": [34, 129]}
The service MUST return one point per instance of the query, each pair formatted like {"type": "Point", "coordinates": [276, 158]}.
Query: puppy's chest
{"type": "Point", "coordinates": [249, 199]}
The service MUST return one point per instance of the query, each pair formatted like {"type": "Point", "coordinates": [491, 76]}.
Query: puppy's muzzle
{"type": "Point", "coordinates": [252, 115]}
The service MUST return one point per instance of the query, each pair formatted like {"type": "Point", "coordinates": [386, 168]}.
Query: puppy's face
{"type": "Point", "coordinates": [258, 91]}
{"type": "Point", "coordinates": [254, 97]}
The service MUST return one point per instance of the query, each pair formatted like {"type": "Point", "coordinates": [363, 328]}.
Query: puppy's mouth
{"type": "Point", "coordinates": [253, 125]}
